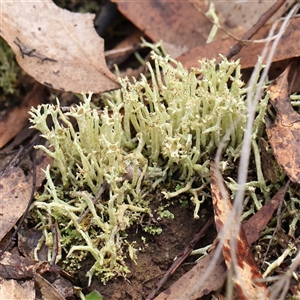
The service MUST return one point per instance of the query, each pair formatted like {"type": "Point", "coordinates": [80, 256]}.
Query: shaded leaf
{"type": "Point", "coordinates": [58, 48]}
{"type": "Point", "coordinates": [27, 242]}
{"type": "Point", "coordinates": [177, 24]}
{"type": "Point", "coordinates": [15, 190]}
{"type": "Point", "coordinates": [270, 167]}
{"type": "Point", "coordinates": [284, 133]}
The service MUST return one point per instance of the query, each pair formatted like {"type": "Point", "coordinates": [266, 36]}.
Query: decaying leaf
{"type": "Point", "coordinates": [27, 242]}
{"type": "Point", "coordinates": [19, 267]}
{"type": "Point", "coordinates": [12, 289]}
{"type": "Point", "coordinates": [15, 190]}
{"type": "Point", "coordinates": [247, 271]}
{"type": "Point", "coordinates": [58, 48]}
{"type": "Point", "coordinates": [270, 166]}
{"type": "Point", "coordinates": [284, 133]}
{"type": "Point", "coordinates": [14, 266]}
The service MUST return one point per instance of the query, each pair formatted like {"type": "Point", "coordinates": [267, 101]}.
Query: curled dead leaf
{"type": "Point", "coordinates": [60, 49]}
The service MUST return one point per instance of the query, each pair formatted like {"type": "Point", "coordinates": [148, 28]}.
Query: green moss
{"type": "Point", "coordinates": [8, 68]}
{"type": "Point", "coordinates": [146, 135]}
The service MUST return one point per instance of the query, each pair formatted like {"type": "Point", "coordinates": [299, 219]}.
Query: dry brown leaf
{"type": "Point", "coordinates": [18, 267]}
{"type": "Point", "coordinates": [186, 283]}
{"type": "Point", "coordinates": [234, 14]}
{"type": "Point", "coordinates": [11, 289]}
{"type": "Point", "coordinates": [15, 190]}
{"type": "Point", "coordinates": [246, 268]}
{"type": "Point", "coordinates": [16, 119]}
{"type": "Point", "coordinates": [124, 49]}
{"type": "Point", "coordinates": [284, 134]}
{"type": "Point", "coordinates": [176, 23]}
{"type": "Point", "coordinates": [59, 48]}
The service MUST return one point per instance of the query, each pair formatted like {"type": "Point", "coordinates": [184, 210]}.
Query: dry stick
{"type": "Point", "coordinates": [263, 19]}
{"type": "Point", "coordinates": [180, 258]}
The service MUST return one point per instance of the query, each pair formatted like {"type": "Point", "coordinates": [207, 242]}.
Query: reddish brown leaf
{"type": "Point", "coordinates": [177, 23]}
{"type": "Point", "coordinates": [284, 133]}
{"type": "Point", "coordinates": [181, 26]}
{"type": "Point", "coordinates": [246, 267]}
{"type": "Point", "coordinates": [60, 49]}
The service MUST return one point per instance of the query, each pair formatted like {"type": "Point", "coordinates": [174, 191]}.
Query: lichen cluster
{"type": "Point", "coordinates": [147, 134]}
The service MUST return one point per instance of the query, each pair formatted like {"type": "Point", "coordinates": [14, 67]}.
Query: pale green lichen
{"type": "Point", "coordinates": [146, 135]}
